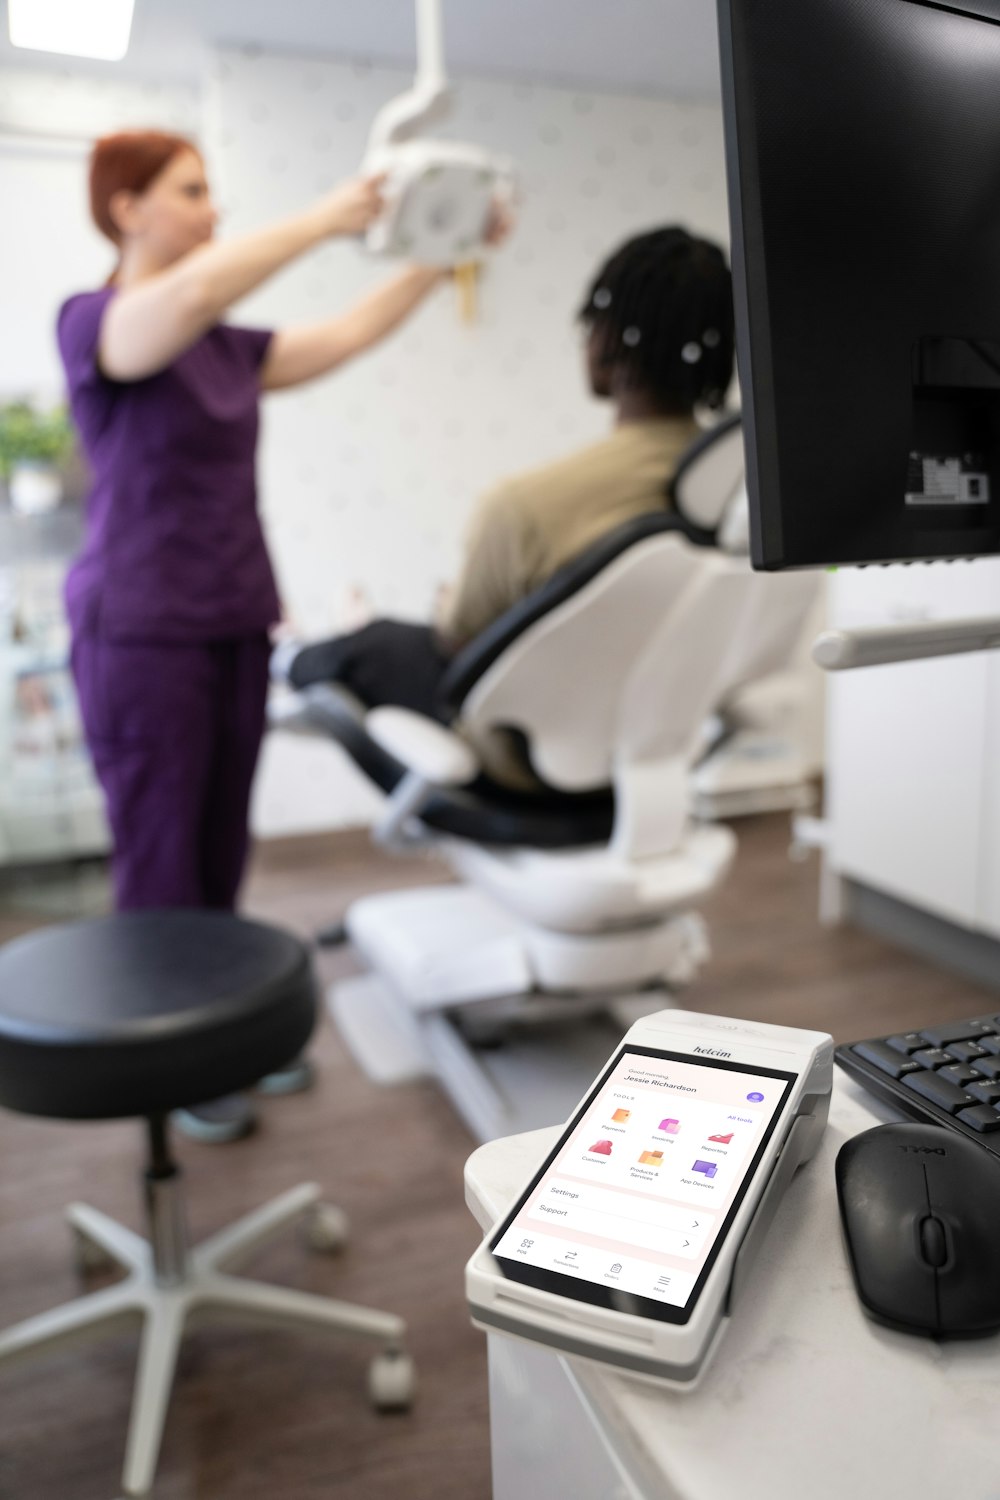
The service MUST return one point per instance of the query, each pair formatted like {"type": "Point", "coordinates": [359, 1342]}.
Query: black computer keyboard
{"type": "Point", "coordinates": [946, 1075]}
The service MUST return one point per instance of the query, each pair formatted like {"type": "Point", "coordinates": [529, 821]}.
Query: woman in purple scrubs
{"type": "Point", "coordinates": [172, 596]}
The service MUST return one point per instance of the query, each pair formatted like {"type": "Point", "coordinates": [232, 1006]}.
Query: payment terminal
{"type": "Point", "coordinates": [630, 1242]}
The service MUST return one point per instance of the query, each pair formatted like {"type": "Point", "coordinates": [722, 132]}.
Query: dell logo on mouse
{"type": "Point", "coordinates": [712, 1052]}
{"type": "Point", "coordinates": [925, 1150]}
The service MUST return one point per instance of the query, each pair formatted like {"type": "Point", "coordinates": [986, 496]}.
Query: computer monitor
{"type": "Point", "coordinates": [863, 152]}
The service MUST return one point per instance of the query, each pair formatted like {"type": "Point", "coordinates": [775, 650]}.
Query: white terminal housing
{"type": "Point", "coordinates": [624, 1334]}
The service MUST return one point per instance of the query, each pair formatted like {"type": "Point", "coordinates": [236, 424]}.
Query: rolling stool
{"type": "Point", "coordinates": [138, 1015]}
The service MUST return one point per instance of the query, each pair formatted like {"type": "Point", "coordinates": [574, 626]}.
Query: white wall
{"type": "Point", "coordinates": [368, 477]}
{"type": "Point", "coordinates": [49, 248]}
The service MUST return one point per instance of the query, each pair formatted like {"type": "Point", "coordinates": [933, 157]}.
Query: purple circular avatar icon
{"type": "Point", "coordinates": [756, 1098]}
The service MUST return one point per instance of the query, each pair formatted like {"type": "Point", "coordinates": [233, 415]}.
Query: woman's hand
{"type": "Point", "coordinates": [352, 206]}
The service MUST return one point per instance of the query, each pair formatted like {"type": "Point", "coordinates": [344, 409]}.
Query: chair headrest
{"type": "Point", "coordinates": [708, 489]}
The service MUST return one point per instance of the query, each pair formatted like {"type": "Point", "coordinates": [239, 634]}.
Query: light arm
{"type": "Point", "coordinates": [429, 101]}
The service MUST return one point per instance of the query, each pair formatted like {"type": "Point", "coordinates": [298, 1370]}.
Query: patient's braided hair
{"type": "Point", "coordinates": [662, 308]}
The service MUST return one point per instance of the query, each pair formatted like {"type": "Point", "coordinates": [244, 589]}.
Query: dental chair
{"type": "Point", "coordinates": [575, 907]}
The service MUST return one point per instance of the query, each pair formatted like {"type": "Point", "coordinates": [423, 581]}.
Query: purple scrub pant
{"type": "Point", "coordinates": [174, 732]}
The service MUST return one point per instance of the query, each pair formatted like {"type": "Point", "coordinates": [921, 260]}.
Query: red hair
{"type": "Point", "coordinates": [128, 162]}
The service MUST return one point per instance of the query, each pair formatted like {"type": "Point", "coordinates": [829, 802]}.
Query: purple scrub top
{"type": "Point", "coordinates": [174, 550]}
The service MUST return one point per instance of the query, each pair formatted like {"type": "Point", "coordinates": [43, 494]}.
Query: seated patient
{"type": "Point", "coordinates": [659, 322]}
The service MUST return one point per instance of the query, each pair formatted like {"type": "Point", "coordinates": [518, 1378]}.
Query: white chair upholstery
{"type": "Point", "coordinates": [767, 730]}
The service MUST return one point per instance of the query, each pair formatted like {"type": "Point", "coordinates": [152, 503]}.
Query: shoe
{"type": "Point", "coordinates": [298, 1076]}
{"type": "Point", "coordinates": [217, 1122]}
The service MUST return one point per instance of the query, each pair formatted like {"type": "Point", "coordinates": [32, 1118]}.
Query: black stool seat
{"type": "Point", "coordinates": [147, 1012]}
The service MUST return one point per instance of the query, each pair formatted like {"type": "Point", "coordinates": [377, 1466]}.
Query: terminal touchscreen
{"type": "Point", "coordinates": [633, 1205]}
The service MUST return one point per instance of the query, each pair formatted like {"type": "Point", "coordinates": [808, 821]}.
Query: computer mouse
{"type": "Point", "coordinates": [921, 1212]}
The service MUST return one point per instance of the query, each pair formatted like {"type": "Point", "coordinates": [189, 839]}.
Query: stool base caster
{"type": "Point", "coordinates": [392, 1381]}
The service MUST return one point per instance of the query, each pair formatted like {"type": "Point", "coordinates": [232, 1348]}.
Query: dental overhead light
{"type": "Point", "coordinates": [439, 195]}
{"type": "Point", "coordinates": [97, 28]}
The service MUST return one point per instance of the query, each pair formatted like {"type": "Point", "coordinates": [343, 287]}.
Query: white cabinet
{"type": "Point", "coordinates": [914, 750]}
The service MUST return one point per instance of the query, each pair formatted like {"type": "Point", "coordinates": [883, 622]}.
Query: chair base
{"type": "Point", "coordinates": [452, 971]}
{"type": "Point", "coordinates": [753, 771]}
{"type": "Point", "coordinates": [724, 806]}
{"type": "Point", "coordinates": [204, 1289]}
{"type": "Point", "coordinates": [552, 1047]}
{"type": "Point", "coordinates": [455, 945]}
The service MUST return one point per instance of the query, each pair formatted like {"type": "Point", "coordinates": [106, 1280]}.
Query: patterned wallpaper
{"type": "Point", "coordinates": [369, 476]}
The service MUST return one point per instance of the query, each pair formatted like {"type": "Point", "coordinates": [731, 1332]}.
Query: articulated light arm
{"type": "Point", "coordinates": [430, 98]}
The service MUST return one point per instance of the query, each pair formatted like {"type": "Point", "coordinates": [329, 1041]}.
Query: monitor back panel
{"type": "Point", "coordinates": [863, 154]}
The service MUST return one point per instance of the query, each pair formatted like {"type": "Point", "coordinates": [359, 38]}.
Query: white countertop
{"type": "Point", "coordinates": [806, 1398]}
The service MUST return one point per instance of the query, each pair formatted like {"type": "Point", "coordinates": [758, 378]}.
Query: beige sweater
{"type": "Point", "coordinates": [529, 526]}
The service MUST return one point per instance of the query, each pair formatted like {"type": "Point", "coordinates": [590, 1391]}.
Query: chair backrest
{"type": "Point", "coordinates": [709, 487]}
{"type": "Point", "coordinates": [612, 685]}
{"type": "Point", "coordinates": [609, 671]}
{"type": "Point", "coordinates": [709, 491]}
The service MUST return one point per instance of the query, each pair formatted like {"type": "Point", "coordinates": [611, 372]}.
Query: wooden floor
{"type": "Point", "coordinates": [273, 1417]}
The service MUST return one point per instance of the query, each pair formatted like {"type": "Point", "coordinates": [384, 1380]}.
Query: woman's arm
{"type": "Point", "coordinates": [296, 355]}
{"type": "Point", "coordinates": [148, 325]}
{"type": "Point", "coordinates": [300, 354]}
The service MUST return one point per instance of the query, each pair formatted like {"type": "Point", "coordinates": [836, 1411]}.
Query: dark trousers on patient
{"type": "Point", "coordinates": [386, 662]}
{"type": "Point", "coordinates": [174, 732]}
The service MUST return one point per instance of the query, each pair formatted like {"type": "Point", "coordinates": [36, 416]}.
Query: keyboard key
{"type": "Point", "coordinates": [987, 1093]}
{"type": "Point", "coordinates": [932, 1057]}
{"type": "Point", "coordinates": [886, 1058]}
{"type": "Point", "coordinates": [988, 1067]}
{"type": "Point", "coordinates": [940, 1092]}
{"type": "Point", "coordinates": [965, 1051]}
{"type": "Point", "coordinates": [980, 1117]}
{"type": "Point", "coordinates": [990, 1044]}
{"type": "Point", "coordinates": [958, 1073]}
{"type": "Point", "coordinates": [911, 1042]}
{"type": "Point", "coordinates": [957, 1031]}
